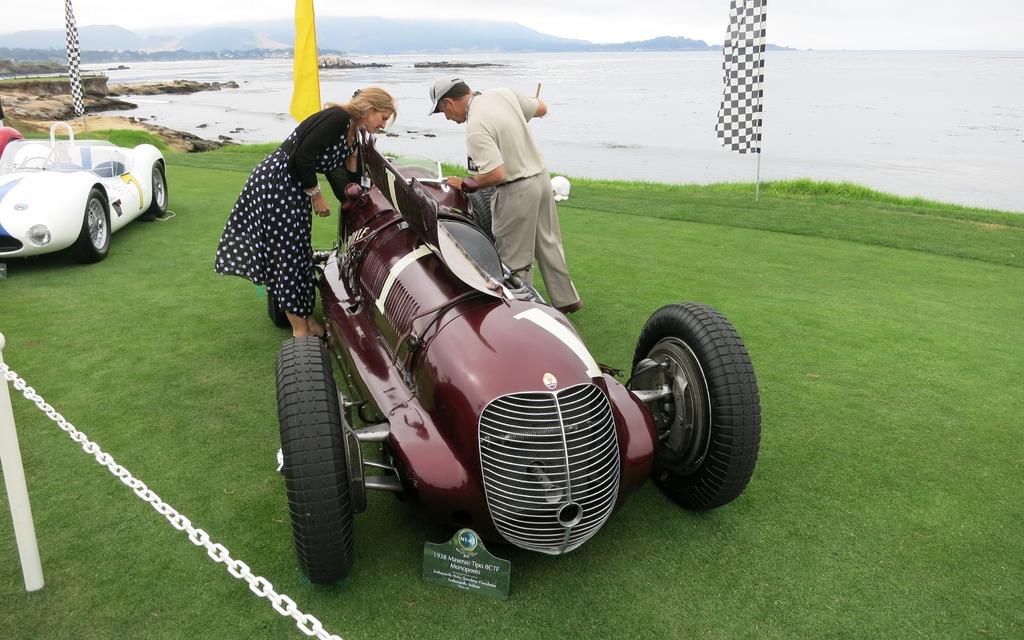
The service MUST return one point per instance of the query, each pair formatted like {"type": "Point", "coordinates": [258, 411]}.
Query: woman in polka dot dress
{"type": "Point", "coordinates": [268, 236]}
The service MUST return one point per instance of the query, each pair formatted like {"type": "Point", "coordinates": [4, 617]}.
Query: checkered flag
{"type": "Point", "coordinates": [74, 55]}
{"type": "Point", "coordinates": [739, 119]}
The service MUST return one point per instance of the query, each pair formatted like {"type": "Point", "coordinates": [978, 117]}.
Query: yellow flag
{"type": "Point", "coordinates": [306, 92]}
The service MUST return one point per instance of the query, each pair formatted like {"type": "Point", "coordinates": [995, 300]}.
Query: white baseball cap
{"type": "Point", "coordinates": [561, 188]}
{"type": "Point", "coordinates": [441, 86]}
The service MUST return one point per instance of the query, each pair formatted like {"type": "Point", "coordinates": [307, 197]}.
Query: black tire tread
{"type": "Point", "coordinates": [276, 314]}
{"type": "Point", "coordinates": [481, 205]}
{"type": "Point", "coordinates": [315, 469]}
{"type": "Point", "coordinates": [735, 404]}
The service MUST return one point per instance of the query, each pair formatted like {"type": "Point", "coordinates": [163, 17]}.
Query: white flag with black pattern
{"type": "Point", "coordinates": [74, 56]}
{"type": "Point", "coordinates": [739, 118]}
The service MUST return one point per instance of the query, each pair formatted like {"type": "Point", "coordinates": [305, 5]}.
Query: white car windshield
{"type": "Point", "coordinates": [26, 156]}
{"type": "Point", "coordinates": [419, 167]}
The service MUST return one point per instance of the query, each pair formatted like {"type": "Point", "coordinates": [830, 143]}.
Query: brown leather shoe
{"type": "Point", "coordinates": [572, 308]}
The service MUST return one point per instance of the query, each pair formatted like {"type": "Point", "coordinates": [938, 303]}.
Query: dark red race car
{"type": "Point", "coordinates": [483, 406]}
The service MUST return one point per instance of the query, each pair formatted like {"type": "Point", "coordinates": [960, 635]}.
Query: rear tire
{"type": "Point", "coordinates": [277, 315]}
{"type": "Point", "coordinates": [709, 431]}
{"type": "Point", "coordinates": [481, 201]}
{"type": "Point", "coordinates": [93, 243]}
{"type": "Point", "coordinates": [315, 467]}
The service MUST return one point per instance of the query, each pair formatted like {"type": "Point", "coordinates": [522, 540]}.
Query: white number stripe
{"type": "Point", "coordinates": [406, 260]}
{"type": "Point", "coordinates": [560, 331]}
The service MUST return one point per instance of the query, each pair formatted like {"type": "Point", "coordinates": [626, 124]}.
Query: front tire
{"type": "Point", "coordinates": [315, 467]}
{"type": "Point", "coordinates": [93, 243]}
{"type": "Point", "coordinates": [709, 428]}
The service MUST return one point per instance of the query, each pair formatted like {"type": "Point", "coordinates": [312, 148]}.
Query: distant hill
{"type": "Point", "coordinates": [89, 38]}
{"type": "Point", "coordinates": [229, 39]}
{"type": "Point", "coordinates": [350, 35]}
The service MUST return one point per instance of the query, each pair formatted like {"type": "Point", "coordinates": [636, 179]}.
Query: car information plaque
{"type": "Point", "coordinates": [464, 563]}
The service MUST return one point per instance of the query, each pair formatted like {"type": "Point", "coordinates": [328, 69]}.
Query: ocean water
{"type": "Point", "coordinates": [943, 125]}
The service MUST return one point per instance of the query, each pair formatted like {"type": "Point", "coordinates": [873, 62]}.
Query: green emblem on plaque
{"type": "Point", "coordinates": [464, 563]}
{"type": "Point", "coordinates": [466, 542]}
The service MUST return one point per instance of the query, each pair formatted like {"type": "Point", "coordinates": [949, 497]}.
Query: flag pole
{"type": "Point", "coordinates": [757, 185]}
{"type": "Point", "coordinates": [761, 42]}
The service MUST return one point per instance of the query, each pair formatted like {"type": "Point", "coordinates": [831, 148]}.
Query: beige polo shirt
{"type": "Point", "coordinates": [497, 134]}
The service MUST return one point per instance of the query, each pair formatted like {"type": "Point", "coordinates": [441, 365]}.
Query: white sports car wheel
{"type": "Point", "coordinates": [94, 242]}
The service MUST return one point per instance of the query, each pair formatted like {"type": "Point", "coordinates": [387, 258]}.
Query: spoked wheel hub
{"type": "Point", "coordinates": [97, 221]}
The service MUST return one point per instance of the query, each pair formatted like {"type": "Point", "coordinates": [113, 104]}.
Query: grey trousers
{"type": "Point", "coordinates": [524, 219]}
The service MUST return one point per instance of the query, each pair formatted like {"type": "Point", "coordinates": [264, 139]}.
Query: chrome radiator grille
{"type": "Point", "coordinates": [550, 465]}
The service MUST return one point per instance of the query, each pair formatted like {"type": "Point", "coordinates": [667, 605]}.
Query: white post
{"type": "Point", "coordinates": [17, 490]}
{"type": "Point", "coordinates": [757, 189]}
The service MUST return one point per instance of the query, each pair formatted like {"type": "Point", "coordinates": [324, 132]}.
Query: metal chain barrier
{"type": "Point", "coordinates": [259, 585]}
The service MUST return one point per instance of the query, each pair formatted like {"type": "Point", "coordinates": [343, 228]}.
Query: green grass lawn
{"type": "Point", "coordinates": [886, 335]}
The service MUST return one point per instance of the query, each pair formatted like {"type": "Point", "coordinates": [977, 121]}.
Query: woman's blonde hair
{"type": "Point", "coordinates": [365, 100]}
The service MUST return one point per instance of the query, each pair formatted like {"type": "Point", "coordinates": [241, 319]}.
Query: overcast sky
{"type": "Point", "coordinates": [802, 24]}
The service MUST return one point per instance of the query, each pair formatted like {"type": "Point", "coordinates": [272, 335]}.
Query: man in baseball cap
{"type": "Point", "coordinates": [503, 154]}
{"type": "Point", "coordinates": [441, 87]}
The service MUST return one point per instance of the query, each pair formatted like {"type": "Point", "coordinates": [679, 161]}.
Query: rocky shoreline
{"type": "Point", "coordinates": [34, 104]}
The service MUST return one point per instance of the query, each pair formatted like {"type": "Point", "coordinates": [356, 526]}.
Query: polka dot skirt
{"type": "Point", "coordinates": [267, 238]}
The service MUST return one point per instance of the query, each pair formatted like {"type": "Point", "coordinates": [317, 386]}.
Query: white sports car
{"type": "Point", "coordinates": [65, 194]}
